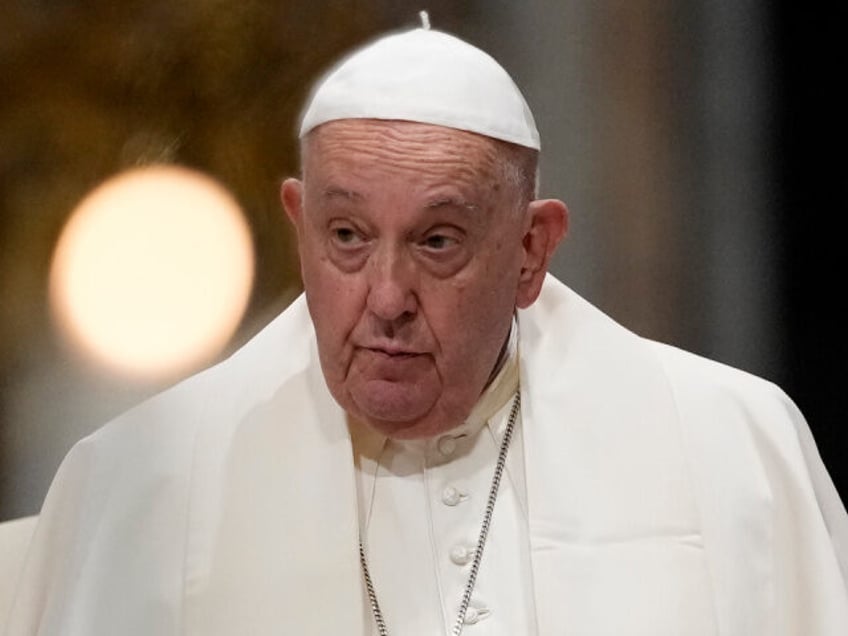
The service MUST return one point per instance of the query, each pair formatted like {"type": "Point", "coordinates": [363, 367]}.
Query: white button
{"type": "Point", "coordinates": [451, 496]}
{"type": "Point", "coordinates": [474, 615]}
{"type": "Point", "coordinates": [447, 445]}
{"type": "Point", "coordinates": [461, 555]}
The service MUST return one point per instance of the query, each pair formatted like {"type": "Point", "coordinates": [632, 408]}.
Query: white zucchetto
{"type": "Point", "coordinates": [428, 77]}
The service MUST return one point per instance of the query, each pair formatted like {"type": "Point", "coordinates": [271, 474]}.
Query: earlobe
{"type": "Point", "coordinates": [547, 225]}
{"type": "Point", "coordinates": [291, 196]}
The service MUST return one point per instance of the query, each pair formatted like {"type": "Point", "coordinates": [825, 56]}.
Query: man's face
{"type": "Point", "coordinates": [410, 240]}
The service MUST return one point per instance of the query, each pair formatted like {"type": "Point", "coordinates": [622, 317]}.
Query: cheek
{"type": "Point", "coordinates": [335, 304]}
{"type": "Point", "coordinates": [471, 319]}
{"type": "Point", "coordinates": [489, 292]}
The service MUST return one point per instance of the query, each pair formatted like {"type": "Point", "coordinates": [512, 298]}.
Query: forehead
{"type": "Point", "coordinates": [400, 148]}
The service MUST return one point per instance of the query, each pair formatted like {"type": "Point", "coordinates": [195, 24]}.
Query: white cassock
{"type": "Point", "coordinates": [421, 504]}
{"type": "Point", "coordinates": [650, 492]}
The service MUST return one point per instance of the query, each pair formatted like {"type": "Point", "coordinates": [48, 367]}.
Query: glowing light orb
{"type": "Point", "coordinates": [153, 271]}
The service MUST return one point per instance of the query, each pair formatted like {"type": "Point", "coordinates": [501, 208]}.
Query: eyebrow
{"type": "Point", "coordinates": [334, 192]}
{"type": "Point", "coordinates": [452, 202]}
{"type": "Point", "coordinates": [340, 193]}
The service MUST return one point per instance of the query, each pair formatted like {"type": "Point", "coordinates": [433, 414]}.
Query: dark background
{"type": "Point", "coordinates": [811, 183]}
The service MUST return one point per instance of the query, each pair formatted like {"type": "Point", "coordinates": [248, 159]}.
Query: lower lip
{"type": "Point", "coordinates": [399, 355]}
{"type": "Point", "coordinates": [391, 366]}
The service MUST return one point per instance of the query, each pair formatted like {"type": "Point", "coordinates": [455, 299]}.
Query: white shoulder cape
{"type": "Point", "coordinates": [226, 505]}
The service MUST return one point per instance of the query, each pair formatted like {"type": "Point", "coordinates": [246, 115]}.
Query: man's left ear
{"type": "Point", "coordinates": [547, 223]}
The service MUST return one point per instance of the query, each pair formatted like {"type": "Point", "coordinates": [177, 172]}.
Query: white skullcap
{"type": "Point", "coordinates": [424, 76]}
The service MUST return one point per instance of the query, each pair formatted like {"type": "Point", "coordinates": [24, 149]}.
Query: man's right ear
{"type": "Point", "coordinates": [291, 195]}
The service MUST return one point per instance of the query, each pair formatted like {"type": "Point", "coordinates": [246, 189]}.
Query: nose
{"type": "Point", "coordinates": [391, 294]}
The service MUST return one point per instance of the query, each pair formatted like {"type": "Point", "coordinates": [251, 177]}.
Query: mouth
{"type": "Point", "coordinates": [392, 352]}
{"type": "Point", "coordinates": [391, 364]}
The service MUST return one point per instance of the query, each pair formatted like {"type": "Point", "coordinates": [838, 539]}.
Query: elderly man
{"type": "Point", "coordinates": [439, 438]}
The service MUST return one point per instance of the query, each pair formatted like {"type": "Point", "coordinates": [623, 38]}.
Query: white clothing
{"type": "Point", "coordinates": [666, 495]}
{"type": "Point", "coordinates": [428, 77]}
{"type": "Point", "coordinates": [421, 504]}
{"type": "Point", "coordinates": [14, 538]}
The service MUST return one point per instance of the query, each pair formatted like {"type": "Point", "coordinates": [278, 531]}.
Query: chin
{"type": "Point", "coordinates": [430, 424]}
{"type": "Point", "coordinates": [419, 429]}
{"type": "Point", "coordinates": [400, 410]}
{"type": "Point", "coordinates": [395, 423]}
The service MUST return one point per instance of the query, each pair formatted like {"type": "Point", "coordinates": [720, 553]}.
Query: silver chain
{"type": "Point", "coordinates": [481, 540]}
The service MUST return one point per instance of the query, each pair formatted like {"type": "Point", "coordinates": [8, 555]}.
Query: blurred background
{"type": "Point", "coordinates": [689, 138]}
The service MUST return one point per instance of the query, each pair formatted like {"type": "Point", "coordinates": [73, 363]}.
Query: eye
{"type": "Point", "coordinates": [439, 242]}
{"type": "Point", "coordinates": [443, 250]}
{"type": "Point", "coordinates": [345, 236]}
{"type": "Point", "coordinates": [441, 239]}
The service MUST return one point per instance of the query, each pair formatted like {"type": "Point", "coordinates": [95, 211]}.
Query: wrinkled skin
{"type": "Point", "coordinates": [415, 250]}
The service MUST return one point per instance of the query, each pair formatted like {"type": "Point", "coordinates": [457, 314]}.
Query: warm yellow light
{"type": "Point", "coordinates": [153, 271]}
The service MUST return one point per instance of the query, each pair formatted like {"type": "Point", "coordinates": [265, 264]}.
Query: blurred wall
{"type": "Point", "coordinates": [90, 89]}
{"type": "Point", "coordinates": [658, 127]}
{"type": "Point", "coordinates": [655, 119]}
